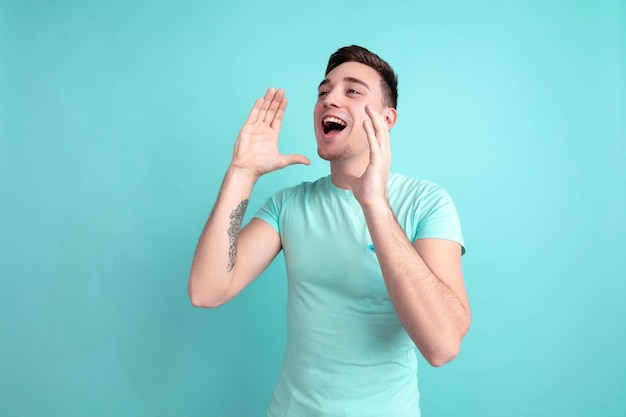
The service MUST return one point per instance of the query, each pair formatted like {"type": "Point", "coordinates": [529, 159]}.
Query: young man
{"type": "Point", "coordinates": [373, 258]}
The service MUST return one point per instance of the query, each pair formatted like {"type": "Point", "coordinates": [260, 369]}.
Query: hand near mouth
{"type": "Point", "coordinates": [370, 188]}
{"type": "Point", "coordinates": [256, 149]}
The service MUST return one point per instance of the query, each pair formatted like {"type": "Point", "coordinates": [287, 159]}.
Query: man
{"type": "Point", "coordinates": [373, 258]}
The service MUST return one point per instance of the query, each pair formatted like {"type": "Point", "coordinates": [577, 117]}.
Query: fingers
{"type": "Point", "coordinates": [276, 106]}
{"type": "Point", "coordinates": [254, 113]}
{"type": "Point", "coordinates": [269, 109]}
{"type": "Point", "coordinates": [377, 121]}
{"type": "Point", "coordinates": [373, 129]}
{"type": "Point", "coordinates": [377, 131]}
{"type": "Point", "coordinates": [278, 116]}
{"type": "Point", "coordinates": [267, 101]}
{"type": "Point", "coordinates": [371, 136]}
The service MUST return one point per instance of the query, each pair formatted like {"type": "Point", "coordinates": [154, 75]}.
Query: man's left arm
{"type": "Point", "coordinates": [424, 279]}
{"type": "Point", "coordinates": [425, 284]}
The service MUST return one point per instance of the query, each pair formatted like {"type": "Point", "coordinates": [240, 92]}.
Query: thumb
{"type": "Point", "coordinates": [295, 159]}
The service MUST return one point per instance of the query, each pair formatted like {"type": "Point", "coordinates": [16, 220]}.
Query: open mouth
{"type": "Point", "coordinates": [331, 123]}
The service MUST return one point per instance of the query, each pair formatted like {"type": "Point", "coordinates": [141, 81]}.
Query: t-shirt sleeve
{"type": "Point", "coordinates": [438, 218]}
{"type": "Point", "coordinates": [269, 212]}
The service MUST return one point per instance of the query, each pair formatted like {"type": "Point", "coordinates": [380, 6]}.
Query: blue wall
{"type": "Point", "coordinates": [117, 121]}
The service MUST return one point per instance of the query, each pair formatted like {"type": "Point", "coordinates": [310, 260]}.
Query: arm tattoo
{"type": "Point", "coordinates": [233, 232]}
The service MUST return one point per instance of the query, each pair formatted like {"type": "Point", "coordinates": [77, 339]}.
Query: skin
{"type": "Point", "coordinates": [424, 278]}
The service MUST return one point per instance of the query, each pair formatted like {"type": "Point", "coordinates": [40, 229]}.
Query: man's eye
{"type": "Point", "coordinates": [354, 92]}
{"type": "Point", "coordinates": [322, 93]}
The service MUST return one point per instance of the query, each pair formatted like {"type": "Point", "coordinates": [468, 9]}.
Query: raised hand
{"type": "Point", "coordinates": [371, 187]}
{"type": "Point", "coordinates": [256, 148]}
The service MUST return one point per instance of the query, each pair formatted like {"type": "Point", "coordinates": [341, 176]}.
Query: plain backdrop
{"type": "Point", "coordinates": [117, 121]}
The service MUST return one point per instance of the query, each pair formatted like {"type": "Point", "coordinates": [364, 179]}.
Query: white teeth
{"type": "Point", "coordinates": [332, 119]}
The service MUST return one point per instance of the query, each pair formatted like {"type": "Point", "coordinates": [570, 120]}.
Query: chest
{"type": "Point", "coordinates": [328, 248]}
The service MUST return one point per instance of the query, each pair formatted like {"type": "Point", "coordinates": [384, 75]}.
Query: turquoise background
{"type": "Point", "coordinates": [117, 121]}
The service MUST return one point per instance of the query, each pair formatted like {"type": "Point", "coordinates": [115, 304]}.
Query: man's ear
{"type": "Point", "coordinates": [390, 117]}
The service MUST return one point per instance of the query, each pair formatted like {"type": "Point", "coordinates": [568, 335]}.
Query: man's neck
{"type": "Point", "coordinates": [340, 169]}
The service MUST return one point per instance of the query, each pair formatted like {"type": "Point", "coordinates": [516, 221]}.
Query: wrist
{"type": "Point", "coordinates": [241, 175]}
{"type": "Point", "coordinates": [378, 207]}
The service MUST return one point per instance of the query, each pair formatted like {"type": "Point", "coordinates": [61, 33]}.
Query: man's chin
{"type": "Point", "coordinates": [323, 155]}
{"type": "Point", "coordinates": [338, 155]}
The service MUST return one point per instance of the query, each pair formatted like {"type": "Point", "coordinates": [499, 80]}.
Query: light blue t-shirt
{"type": "Point", "coordinates": [347, 353]}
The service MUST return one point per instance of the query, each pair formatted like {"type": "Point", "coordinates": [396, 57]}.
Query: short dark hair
{"type": "Point", "coordinates": [355, 53]}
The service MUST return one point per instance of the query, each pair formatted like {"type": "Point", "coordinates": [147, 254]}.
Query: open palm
{"type": "Point", "coordinates": [257, 145]}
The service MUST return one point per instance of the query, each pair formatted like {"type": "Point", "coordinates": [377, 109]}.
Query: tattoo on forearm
{"type": "Point", "coordinates": [233, 232]}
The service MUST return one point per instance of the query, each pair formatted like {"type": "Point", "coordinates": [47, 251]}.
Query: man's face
{"type": "Point", "coordinates": [340, 110]}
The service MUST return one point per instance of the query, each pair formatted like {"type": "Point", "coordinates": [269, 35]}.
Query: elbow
{"type": "Point", "coordinates": [443, 355]}
{"type": "Point", "coordinates": [202, 302]}
{"type": "Point", "coordinates": [446, 350]}
{"type": "Point", "coordinates": [203, 299]}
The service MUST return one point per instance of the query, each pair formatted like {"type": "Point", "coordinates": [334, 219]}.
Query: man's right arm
{"type": "Point", "coordinates": [229, 257]}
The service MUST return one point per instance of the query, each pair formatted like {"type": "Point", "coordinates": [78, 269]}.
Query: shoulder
{"type": "Point", "coordinates": [302, 189]}
{"type": "Point", "coordinates": [420, 200]}
{"type": "Point", "coordinates": [424, 209]}
{"type": "Point", "coordinates": [403, 187]}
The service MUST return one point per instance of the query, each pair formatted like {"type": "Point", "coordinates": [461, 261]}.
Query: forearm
{"type": "Point", "coordinates": [215, 260]}
{"type": "Point", "coordinates": [431, 312]}
{"type": "Point", "coordinates": [216, 275]}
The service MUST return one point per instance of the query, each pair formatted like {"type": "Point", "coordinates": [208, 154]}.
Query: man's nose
{"type": "Point", "coordinates": [332, 99]}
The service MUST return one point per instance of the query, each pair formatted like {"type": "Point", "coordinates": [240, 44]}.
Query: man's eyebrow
{"type": "Point", "coordinates": [348, 80]}
{"type": "Point", "coordinates": [324, 82]}
{"type": "Point", "coordinates": [357, 81]}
